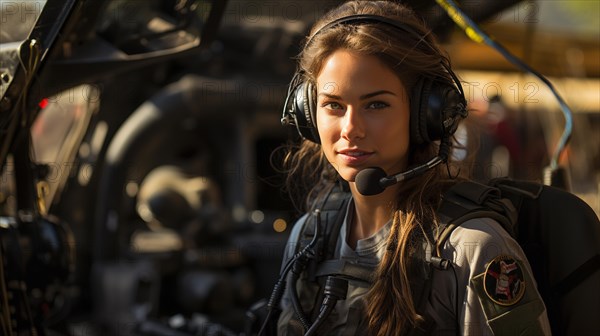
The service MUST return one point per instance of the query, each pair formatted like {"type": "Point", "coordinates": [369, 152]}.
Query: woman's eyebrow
{"type": "Point", "coordinates": [363, 97]}
{"type": "Point", "coordinates": [376, 93]}
{"type": "Point", "coordinates": [331, 96]}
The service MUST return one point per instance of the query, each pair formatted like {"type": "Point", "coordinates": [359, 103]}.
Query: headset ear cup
{"type": "Point", "coordinates": [445, 107]}
{"type": "Point", "coordinates": [438, 107]}
{"type": "Point", "coordinates": [304, 111]}
{"type": "Point", "coordinates": [418, 112]}
{"type": "Point", "coordinates": [455, 109]}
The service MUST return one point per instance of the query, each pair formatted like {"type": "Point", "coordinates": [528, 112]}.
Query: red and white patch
{"type": "Point", "coordinates": [503, 281]}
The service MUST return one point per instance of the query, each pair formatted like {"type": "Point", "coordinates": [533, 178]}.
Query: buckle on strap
{"type": "Point", "coordinates": [346, 269]}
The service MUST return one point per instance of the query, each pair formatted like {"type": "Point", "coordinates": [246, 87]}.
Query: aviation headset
{"type": "Point", "coordinates": [436, 107]}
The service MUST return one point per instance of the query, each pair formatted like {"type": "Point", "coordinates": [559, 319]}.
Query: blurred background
{"type": "Point", "coordinates": [153, 126]}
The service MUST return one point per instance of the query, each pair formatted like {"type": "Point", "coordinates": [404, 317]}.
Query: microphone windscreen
{"type": "Point", "coordinates": [367, 181]}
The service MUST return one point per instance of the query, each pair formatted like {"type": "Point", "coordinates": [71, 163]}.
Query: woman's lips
{"type": "Point", "coordinates": [354, 157]}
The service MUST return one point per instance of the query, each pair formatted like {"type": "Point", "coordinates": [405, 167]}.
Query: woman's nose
{"type": "Point", "coordinates": [353, 125]}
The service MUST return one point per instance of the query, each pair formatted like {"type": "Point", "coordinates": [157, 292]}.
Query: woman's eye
{"type": "Point", "coordinates": [332, 105]}
{"type": "Point", "coordinates": [377, 105]}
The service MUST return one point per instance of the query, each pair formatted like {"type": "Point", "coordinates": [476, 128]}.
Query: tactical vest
{"type": "Point", "coordinates": [323, 264]}
{"type": "Point", "coordinates": [528, 211]}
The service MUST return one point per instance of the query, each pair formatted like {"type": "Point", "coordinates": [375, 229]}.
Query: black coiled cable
{"type": "Point", "coordinates": [303, 256]}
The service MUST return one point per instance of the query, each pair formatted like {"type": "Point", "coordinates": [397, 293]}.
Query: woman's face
{"type": "Point", "coordinates": [362, 114]}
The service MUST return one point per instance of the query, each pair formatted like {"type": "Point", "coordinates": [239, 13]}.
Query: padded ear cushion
{"type": "Point", "coordinates": [309, 108]}
{"type": "Point", "coordinates": [436, 108]}
{"type": "Point", "coordinates": [418, 113]}
{"type": "Point", "coordinates": [304, 111]}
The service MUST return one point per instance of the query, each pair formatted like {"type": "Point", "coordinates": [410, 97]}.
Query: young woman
{"type": "Point", "coordinates": [368, 92]}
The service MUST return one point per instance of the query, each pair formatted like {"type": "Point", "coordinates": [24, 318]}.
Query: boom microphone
{"type": "Point", "coordinates": [368, 181]}
{"type": "Point", "coordinates": [373, 181]}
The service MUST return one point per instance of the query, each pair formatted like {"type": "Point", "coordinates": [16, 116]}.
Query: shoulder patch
{"type": "Point", "coordinates": [503, 281]}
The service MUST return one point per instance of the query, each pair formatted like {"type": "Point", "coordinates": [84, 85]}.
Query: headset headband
{"type": "Point", "coordinates": [435, 96]}
{"type": "Point", "coordinates": [370, 18]}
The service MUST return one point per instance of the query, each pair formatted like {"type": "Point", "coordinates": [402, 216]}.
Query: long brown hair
{"type": "Point", "coordinates": [390, 306]}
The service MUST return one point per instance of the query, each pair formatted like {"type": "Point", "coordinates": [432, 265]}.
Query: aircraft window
{"type": "Point", "coordinates": [58, 131]}
{"type": "Point", "coordinates": [17, 18]}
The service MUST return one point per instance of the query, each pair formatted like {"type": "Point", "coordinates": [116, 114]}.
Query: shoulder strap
{"type": "Point", "coordinates": [468, 200]}
{"type": "Point", "coordinates": [332, 216]}
{"type": "Point", "coordinates": [331, 211]}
